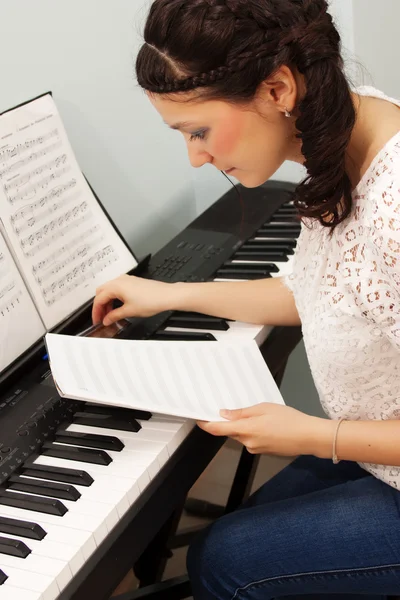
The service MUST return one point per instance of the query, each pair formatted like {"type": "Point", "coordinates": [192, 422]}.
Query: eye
{"type": "Point", "coordinates": [198, 135]}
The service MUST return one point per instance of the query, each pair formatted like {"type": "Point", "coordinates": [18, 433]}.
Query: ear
{"type": "Point", "coordinates": [281, 90]}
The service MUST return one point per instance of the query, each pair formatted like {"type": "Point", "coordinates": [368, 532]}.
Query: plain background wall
{"type": "Point", "coordinates": [376, 32]}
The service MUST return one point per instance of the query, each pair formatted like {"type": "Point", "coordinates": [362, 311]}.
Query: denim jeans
{"type": "Point", "coordinates": [315, 530]}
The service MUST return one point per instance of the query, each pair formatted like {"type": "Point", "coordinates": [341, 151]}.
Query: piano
{"type": "Point", "coordinates": [84, 489]}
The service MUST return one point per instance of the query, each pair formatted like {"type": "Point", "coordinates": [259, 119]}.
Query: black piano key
{"type": "Point", "coordinates": [256, 255]}
{"type": "Point", "coordinates": [62, 491]}
{"type": "Point", "coordinates": [201, 322]}
{"type": "Point", "coordinates": [3, 577]}
{"type": "Point", "coordinates": [13, 548]}
{"type": "Point", "coordinates": [58, 474]}
{"type": "Point", "coordinates": [93, 420]}
{"type": "Point", "coordinates": [284, 218]}
{"type": "Point", "coordinates": [275, 248]}
{"type": "Point", "coordinates": [241, 274]}
{"type": "Point", "coordinates": [279, 231]}
{"type": "Point", "coordinates": [35, 503]}
{"type": "Point", "coordinates": [195, 336]}
{"type": "Point", "coordinates": [104, 442]}
{"type": "Point", "coordinates": [276, 243]}
{"type": "Point", "coordinates": [256, 268]}
{"type": "Point", "coordinates": [89, 455]}
{"type": "Point", "coordinates": [25, 529]}
{"type": "Point", "coordinates": [118, 413]}
{"type": "Point", "coordinates": [287, 210]}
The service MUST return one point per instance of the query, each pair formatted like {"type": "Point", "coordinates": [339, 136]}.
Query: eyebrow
{"type": "Point", "coordinates": [180, 125]}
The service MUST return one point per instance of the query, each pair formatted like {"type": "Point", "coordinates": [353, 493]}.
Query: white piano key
{"type": "Point", "coordinates": [141, 463]}
{"type": "Point", "coordinates": [8, 592]}
{"type": "Point", "coordinates": [170, 439]}
{"type": "Point", "coordinates": [136, 474]}
{"type": "Point", "coordinates": [34, 582]}
{"type": "Point", "coordinates": [99, 512]}
{"type": "Point", "coordinates": [55, 569]}
{"type": "Point", "coordinates": [72, 555]}
{"type": "Point", "coordinates": [74, 521]}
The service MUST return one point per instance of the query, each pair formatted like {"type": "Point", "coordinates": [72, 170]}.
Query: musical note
{"type": "Point", "coordinates": [11, 152]}
{"type": "Point", "coordinates": [30, 240]}
{"type": "Point", "coordinates": [34, 187]}
{"type": "Point", "coordinates": [87, 270]}
{"type": "Point", "coordinates": [43, 264]}
{"type": "Point", "coordinates": [32, 218]}
{"type": "Point", "coordinates": [16, 166]}
{"type": "Point", "coordinates": [18, 182]}
{"type": "Point", "coordinates": [56, 192]}
{"type": "Point", "coordinates": [20, 324]}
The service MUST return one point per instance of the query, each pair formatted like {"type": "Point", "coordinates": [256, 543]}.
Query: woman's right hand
{"type": "Point", "coordinates": [140, 298]}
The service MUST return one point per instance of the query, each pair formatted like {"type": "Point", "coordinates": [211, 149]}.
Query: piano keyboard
{"type": "Point", "coordinates": [43, 546]}
{"type": "Point", "coordinates": [63, 502]}
{"type": "Point", "coordinates": [263, 255]}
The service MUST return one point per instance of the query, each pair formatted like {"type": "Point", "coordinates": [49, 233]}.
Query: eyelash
{"type": "Point", "coordinates": [199, 135]}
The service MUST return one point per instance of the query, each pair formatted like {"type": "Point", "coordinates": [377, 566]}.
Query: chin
{"type": "Point", "coordinates": [250, 180]}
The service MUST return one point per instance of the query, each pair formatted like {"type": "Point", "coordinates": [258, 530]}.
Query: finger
{"type": "Point", "coordinates": [219, 428]}
{"type": "Point", "coordinates": [100, 303]}
{"type": "Point", "coordinates": [244, 413]}
{"type": "Point", "coordinates": [115, 315]}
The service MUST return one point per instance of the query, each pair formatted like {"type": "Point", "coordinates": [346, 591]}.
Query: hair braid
{"type": "Point", "coordinates": [226, 48]}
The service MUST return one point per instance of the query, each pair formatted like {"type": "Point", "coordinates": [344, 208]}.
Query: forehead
{"type": "Point", "coordinates": [175, 109]}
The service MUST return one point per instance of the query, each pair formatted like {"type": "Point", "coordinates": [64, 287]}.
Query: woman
{"type": "Point", "coordinates": [251, 84]}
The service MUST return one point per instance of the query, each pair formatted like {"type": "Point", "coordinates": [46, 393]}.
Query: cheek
{"type": "Point", "coordinates": [226, 139]}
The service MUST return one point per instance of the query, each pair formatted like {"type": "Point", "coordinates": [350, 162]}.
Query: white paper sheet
{"type": "Point", "coordinates": [20, 324]}
{"type": "Point", "coordinates": [186, 379]}
{"type": "Point", "coordinates": [61, 236]}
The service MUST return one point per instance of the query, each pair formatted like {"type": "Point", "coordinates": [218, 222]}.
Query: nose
{"type": "Point", "coordinates": [198, 157]}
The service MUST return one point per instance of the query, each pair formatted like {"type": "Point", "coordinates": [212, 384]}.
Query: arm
{"type": "Point", "coordinates": [263, 301]}
{"type": "Point", "coordinates": [375, 442]}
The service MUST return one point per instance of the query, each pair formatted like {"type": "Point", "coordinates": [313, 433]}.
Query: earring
{"type": "Point", "coordinates": [288, 114]}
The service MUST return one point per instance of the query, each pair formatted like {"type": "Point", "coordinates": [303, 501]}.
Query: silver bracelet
{"type": "Point", "coordinates": [335, 459]}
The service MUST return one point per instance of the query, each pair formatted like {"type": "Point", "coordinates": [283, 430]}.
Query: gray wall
{"type": "Point", "coordinates": [376, 32]}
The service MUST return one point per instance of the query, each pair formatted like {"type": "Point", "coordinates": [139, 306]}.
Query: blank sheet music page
{"type": "Point", "coordinates": [20, 324]}
{"type": "Point", "coordinates": [187, 379]}
{"type": "Point", "coordinates": [61, 236]}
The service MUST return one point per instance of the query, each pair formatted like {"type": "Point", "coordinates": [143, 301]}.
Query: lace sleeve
{"type": "Point", "coordinates": [381, 282]}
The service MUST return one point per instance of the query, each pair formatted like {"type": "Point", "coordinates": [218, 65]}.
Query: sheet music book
{"type": "Point", "coordinates": [186, 379]}
{"type": "Point", "coordinates": [56, 240]}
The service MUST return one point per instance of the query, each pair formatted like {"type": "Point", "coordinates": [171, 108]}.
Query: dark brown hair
{"type": "Point", "coordinates": [225, 48]}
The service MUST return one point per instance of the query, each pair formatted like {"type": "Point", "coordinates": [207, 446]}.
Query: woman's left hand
{"type": "Point", "coordinates": [275, 429]}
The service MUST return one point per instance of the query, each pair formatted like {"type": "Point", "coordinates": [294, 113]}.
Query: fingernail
{"type": "Point", "coordinates": [224, 412]}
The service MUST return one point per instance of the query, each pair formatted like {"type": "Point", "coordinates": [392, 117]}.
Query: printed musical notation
{"type": "Point", "coordinates": [20, 323]}
{"type": "Point", "coordinates": [62, 239]}
{"type": "Point", "coordinates": [86, 270]}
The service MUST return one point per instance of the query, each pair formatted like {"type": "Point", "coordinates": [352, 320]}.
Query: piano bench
{"type": "Point", "coordinates": [176, 588]}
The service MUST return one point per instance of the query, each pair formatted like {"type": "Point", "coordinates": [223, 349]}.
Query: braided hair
{"type": "Point", "coordinates": [224, 49]}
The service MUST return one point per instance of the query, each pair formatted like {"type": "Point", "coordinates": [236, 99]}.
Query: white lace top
{"type": "Point", "coordinates": [347, 292]}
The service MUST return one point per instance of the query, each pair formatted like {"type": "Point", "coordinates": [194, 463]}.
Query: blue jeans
{"type": "Point", "coordinates": [315, 530]}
